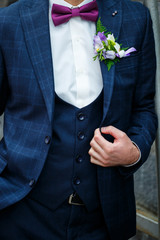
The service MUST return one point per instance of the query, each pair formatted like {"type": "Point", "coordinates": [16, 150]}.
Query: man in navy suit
{"type": "Point", "coordinates": [74, 132]}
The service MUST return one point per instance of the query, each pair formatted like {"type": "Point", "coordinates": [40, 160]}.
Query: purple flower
{"type": "Point", "coordinates": [97, 42]}
{"type": "Point", "coordinates": [102, 36]}
{"type": "Point", "coordinates": [98, 45]}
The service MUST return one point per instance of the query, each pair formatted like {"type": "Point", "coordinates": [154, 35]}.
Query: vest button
{"type": "Point", "coordinates": [77, 181]}
{"type": "Point", "coordinates": [47, 140]}
{"type": "Point", "coordinates": [79, 159]}
{"type": "Point", "coordinates": [81, 116]}
{"type": "Point", "coordinates": [81, 136]}
{"type": "Point", "coordinates": [32, 183]}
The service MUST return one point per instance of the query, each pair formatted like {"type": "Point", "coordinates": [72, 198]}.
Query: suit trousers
{"type": "Point", "coordinates": [30, 220]}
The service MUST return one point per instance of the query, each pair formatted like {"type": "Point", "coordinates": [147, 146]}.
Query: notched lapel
{"type": "Point", "coordinates": [35, 23]}
{"type": "Point", "coordinates": [113, 24]}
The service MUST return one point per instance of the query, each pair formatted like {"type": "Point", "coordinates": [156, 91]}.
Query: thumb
{"type": "Point", "coordinates": [114, 132]}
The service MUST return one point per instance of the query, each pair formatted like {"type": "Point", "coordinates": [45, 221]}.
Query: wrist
{"type": "Point", "coordinates": [136, 156]}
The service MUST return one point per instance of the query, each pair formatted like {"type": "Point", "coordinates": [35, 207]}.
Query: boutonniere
{"type": "Point", "coordinates": [106, 48]}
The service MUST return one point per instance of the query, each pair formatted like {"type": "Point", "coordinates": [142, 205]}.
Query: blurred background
{"type": "Point", "coordinates": [4, 3]}
{"type": "Point", "coordinates": [146, 187]}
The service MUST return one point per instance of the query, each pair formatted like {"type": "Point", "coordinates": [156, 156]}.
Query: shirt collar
{"type": "Point", "coordinates": [66, 4]}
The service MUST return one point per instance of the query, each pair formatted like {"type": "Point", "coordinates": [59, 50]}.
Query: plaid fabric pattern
{"type": "Point", "coordinates": [27, 97]}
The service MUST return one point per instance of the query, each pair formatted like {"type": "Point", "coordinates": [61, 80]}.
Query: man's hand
{"type": "Point", "coordinates": [106, 154]}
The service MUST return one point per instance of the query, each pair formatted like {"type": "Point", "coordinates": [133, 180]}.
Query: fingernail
{"type": "Point", "coordinates": [103, 129]}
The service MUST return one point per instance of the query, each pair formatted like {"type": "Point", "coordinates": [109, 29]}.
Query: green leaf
{"type": "Point", "coordinates": [110, 63]}
{"type": "Point", "coordinates": [111, 45]}
{"type": "Point", "coordinates": [104, 44]}
{"type": "Point", "coordinates": [100, 27]}
{"type": "Point", "coordinates": [116, 60]}
{"type": "Point", "coordinates": [95, 57]}
{"type": "Point", "coordinates": [125, 48]}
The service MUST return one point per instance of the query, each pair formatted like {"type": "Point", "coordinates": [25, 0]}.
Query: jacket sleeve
{"type": "Point", "coordinates": [3, 84]}
{"type": "Point", "coordinates": [143, 124]}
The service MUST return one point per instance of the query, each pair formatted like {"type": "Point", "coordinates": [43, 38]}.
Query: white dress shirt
{"type": "Point", "coordinates": [77, 77]}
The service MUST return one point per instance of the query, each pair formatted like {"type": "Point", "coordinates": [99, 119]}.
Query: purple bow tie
{"type": "Point", "coordinates": [61, 14]}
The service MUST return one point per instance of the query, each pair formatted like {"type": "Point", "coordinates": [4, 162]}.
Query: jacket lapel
{"type": "Point", "coordinates": [113, 25]}
{"type": "Point", "coordinates": [35, 23]}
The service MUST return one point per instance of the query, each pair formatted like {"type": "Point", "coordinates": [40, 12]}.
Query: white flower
{"type": "Point", "coordinates": [121, 53]}
{"type": "Point", "coordinates": [111, 37]}
{"type": "Point", "coordinates": [117, 47]}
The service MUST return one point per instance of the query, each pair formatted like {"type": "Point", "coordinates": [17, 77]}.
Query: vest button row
{"type": "Point", "coordinates": [47, 140]}
{"type": "Point", "coordinates": [81, 116]}
{"type": "Point", "coordinates": [81, 136]}
{"type": "Point", "coordinates": [76, 181]}
{"type": "Point", "coordinates": [79, 159]}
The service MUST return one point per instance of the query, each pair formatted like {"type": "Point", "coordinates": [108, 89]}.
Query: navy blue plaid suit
{"type": "Point", "coordinates": [27, 98]}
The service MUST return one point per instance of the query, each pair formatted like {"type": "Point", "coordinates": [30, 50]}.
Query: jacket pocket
{"type": "Point", "coordinates": [129, 62]}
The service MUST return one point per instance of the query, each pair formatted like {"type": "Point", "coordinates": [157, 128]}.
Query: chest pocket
{"type": "Point", "coordinates": [129, 63]}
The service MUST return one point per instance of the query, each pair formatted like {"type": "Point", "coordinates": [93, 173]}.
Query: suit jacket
{"type": "Point", "coordinates": [27, 98]}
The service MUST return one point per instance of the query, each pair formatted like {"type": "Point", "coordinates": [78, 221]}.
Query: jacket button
{"type": "Point", "coordinates": [81, 136]}
{"type": "Point", "coordinates": [81, 116]}
{"type": "Point", "coordinates": [47, 140]}
{"type": "Point", "coordinates": [79, 159]}
{"type": "Point", "coordinates": [77, 181]}
{"type": "Point", "coordinates": [32, 182]}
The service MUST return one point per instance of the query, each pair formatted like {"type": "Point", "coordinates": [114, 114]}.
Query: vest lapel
{"type": "Point", "coordinates": [35, 23]}
{"type": "Point", "coordinates": [113, 25]}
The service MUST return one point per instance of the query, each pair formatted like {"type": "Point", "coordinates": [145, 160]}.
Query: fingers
{"type": "Point", "coordinates": [115, 132]}
{"type": "Point", "coordinates": [96, 162]}
{"type": "Point", "coordinates": [96, 155]}
{"type": "Point", "coordinates": [101, 141]}
{"type": "Point", "coordinates": [96, 147]}
{"type": "Point", "coordinates": [98, 151]}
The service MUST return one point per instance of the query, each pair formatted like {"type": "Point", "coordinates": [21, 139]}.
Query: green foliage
{"type": "Point", "coordinates": [101, 28]}
{"type": "Point", "coordinates": [109, 63]}
{"type": "Point", "coordinates": [111, 45]}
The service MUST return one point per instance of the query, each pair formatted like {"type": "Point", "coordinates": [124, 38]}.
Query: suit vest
{"type": "Point", "coordinates": [68, 168]}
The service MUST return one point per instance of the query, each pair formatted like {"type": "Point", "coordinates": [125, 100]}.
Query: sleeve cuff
{"type": "Point", "coordinates": [130, 165]}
